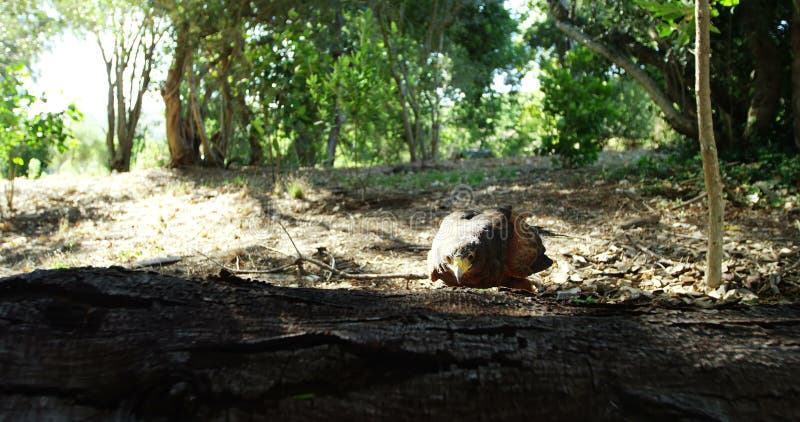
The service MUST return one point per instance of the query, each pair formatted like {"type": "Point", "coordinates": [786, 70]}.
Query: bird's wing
{"type": "Point", "coordinates": [525, 251]}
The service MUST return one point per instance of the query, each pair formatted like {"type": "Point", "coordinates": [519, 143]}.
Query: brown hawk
{"type": "Point", "coordinates": [494, 247]}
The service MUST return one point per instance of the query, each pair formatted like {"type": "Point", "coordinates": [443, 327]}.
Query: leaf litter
{"type": "Point", "coordinates": [622, 243]}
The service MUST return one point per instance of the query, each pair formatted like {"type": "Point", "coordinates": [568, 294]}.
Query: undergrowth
{"type": "Point", "coordinates": [764, 179]}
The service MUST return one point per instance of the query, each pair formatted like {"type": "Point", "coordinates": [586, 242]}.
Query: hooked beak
{"type": "Point", "coordinates": [459, 266]}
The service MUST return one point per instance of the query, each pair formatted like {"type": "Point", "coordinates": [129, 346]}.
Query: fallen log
{"type": "Point", "coordinates": [93, 343]}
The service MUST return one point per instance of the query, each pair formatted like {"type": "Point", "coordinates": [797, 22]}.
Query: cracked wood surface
{"type": "Point", "coordinates": [118, 344]}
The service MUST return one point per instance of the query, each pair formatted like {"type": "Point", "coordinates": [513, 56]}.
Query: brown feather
{"type": "Point", "coordinates": [505, 248]}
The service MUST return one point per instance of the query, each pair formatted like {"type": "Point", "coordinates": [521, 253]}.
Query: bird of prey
{"type": "Point", "coordinates": [487, 248]}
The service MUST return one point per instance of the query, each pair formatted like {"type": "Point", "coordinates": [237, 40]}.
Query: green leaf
{"type": "Point", "coordinates": [664, 30]}
{"type": "Point", "coordinates": [18, 161]}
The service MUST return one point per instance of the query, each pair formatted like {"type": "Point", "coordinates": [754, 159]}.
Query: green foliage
{"type": "Point", "coordinates": [346, 73]}
{"type": "Point", "coordinates": [87, 152]}
{"type": "Point", "coordinates": [579, 96]}
{"type": "Point", "coordinates": [149, 153]}
{"type": "Point", "coordinates": [358, 86]}
{"type": "Point", "coordinates": [677, 17]}
{"type": "Point", "coordinates": [297, 187]}
{"type": "Point", "coordinates": [282, 56]}
{"type": "Point", "coordinates": [748, 67]}
{"type": "Point", "coordinates": [589, 300]}
{"type": "Point", "coordinates": [25, 26]}
{"type": "Point", "coordinates": [768, 179]}
{"type": "Point", "coordinates": [27, 135]}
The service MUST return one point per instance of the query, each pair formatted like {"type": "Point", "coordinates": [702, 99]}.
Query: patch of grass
{"type": "Point", "coordinates": [239, 180]}
{"type": "Point", "coordinates": [768, 179]}
{"type": "Point", "coordinates": [588, 301]}
{"type": "Point", "coordinates": [62, 259]}
{"type": "Point", "coordinates": [127, 255]}
{"type": "Point", "coordinates": [181, 188]}
{"type": "Point", "coordinates": [297, 187]}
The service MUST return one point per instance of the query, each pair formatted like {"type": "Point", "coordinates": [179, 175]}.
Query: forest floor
{"type": "Point", "coordinates": [624, 240]}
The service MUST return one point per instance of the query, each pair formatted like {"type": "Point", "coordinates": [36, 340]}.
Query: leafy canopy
{"type": "Point", "coordinates": [25, 135]}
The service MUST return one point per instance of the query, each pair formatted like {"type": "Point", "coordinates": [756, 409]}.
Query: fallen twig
{"type": "Point", "coordinates": [690, 201]}
{"type": "Point", "coordinates": [299, 255]}
{"type": "Point", "coordinates": [300, 258]}
{"type": "Point", "coordinates": [362, 276]}
{"type": "Point", "coordinates": [238, 271]}
{"type": "Point", "coordinates": [641, 221]}
{"type": "Point", "coordinates": [652, 254]}
{"type": "Point", "coordinates": [156, 262]}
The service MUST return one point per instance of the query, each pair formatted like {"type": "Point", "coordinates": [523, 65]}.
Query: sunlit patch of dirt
{"type": "Point", "coordinates": [622, 242]}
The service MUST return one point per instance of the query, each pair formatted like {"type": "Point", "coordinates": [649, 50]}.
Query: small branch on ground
{"type": "Point", "coordinates": [156, 262]}
{"type": "Point", "coordinates": [641, 221]}
{"type": "Point", "coordinates": [687, 202]}
{"type": "Point", "coordinates": [659, 259]}
{"type": "Point", "coordinates": [300, 258]}
{"type": "Point", "coordinates": [238, 271]}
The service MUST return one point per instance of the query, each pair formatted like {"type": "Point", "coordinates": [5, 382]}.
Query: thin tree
{"type": "Point", "coordinates": [795, 37]}
{"type": "Point", "coordinates": [708, 148]}
{"type": "Point", "coordinates": [133, 33]}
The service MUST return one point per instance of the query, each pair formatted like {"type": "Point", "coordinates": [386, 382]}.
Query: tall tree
{"type": "Point", "coordinates": [795, 27]}
{"type": "Point", "coordinates": [708, 147]}
{"type": "Point", "coordinates": [650, 41]}
{"type": "Point", "coordinates": [677, 116]}
{"type": "Point", "coordinates": [128, 33]}
{"type": "Point", "coordinates": [441, 47]}
{"type": "Point", "coordinates": [137, 32]}
{"type": "Point", "coordinates": [182, 149]}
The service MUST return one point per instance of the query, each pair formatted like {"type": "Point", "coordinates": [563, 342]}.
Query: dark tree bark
{"type": "Point", "coordinates": [336, 50]}
{"type": "Point", "coordinates": [110, 113]}
{"type": "Point", "coordinates": [333, 135]}
{"type": "Point", "coordinates": [795, 28]}
{"type": "Point", "coordinates": [767, 79]}
{"type": "Point", "coordinates": [182, 151]}
{"type": "Point", "coordinates": [114, 344]}
{"type": "Point", "coordinates": [222, 146]}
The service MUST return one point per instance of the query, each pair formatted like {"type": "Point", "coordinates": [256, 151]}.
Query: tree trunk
{"type": "Point", "coordinates": [111, 344]}
{"type": "Point", "coordinates": [303, 145]}
{"type": "Point", "coordinates": [795, 28]}
{"type": "Point", "coordinates": [181, 151]}
{"type": "Point", "coordinates": [256, 150]}
{"type": "Point", "coordinates": [708, 148]}
{"type": "Point", "coordinates": [333, 135]}
{"type": "Point", "coordinates": [402, 88]}
{"type": "Point", "coordinates": [767, 81]}
{"type": "Point", "coordinates": [226, 107]}
{"type": "Point", "coordinates": [110, 113]}
{"type": "Point", "coordinates": [436, 103]}
{"type": "Point", "coordinates": [193, 115]}
{"type": "Point", "coordinates": [118, 162]}
{"type": "Point", "coordinates": [136, 111]}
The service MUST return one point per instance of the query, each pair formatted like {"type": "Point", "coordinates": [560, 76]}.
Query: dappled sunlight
{"type": "Point", "coordinates": [605, 245]}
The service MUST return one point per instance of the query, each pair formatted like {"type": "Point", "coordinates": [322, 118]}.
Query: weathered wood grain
{"type": "Point", "coordinates": [116, 344]}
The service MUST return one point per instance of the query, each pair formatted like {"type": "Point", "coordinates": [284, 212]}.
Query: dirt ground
{"type": "Point", "coordinates": [623, 242]}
